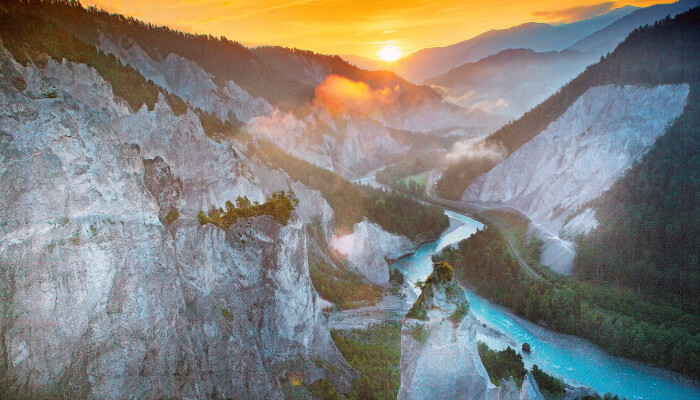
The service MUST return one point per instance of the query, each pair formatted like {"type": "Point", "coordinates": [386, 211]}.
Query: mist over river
{"type": "Point", "coordinates": [575, 360]}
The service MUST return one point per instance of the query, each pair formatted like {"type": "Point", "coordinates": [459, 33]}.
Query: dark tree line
{"type": "Point", "coordinates": [400, 213]}
{"type": "Point", "coordinates": [507, 363]}
{"type": "Point", "coordinates": [265, 72]}
{"type": "Point", "coordinates": [617, 320]}
{"type": "Point", "coordinates": [223, 58]}
{"type": "Point", "coordinates": [648, 236]}
{"type": "Point", "coordinates": [395, 212]}
{"type": "Point", "coordinates": [278, 205]}
{"type": "Point", "coordinates": [665, 52]}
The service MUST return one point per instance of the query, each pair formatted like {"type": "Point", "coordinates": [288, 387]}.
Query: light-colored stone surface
{"type": "Point", "coordinates": [100, 299]}
{"type": "Point", "coordinates": [580, 155]}
{"type": "Point", "coordinates": [190, 82]}
{"type": "Point", "coordinates": [445, 363]}
{"type": "Point", "coordinates": [367, 249]}
{"type": "Point", "coordinates": [343, 143]}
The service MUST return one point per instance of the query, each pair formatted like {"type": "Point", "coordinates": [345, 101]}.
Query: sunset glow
{"type": "Point", "coordinates": [389, 53]}
{"type": "Point", "coordinates": [353, 26]}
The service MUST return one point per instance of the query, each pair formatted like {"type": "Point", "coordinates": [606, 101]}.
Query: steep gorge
{"type": "Point", "coordinates": [101, 298]}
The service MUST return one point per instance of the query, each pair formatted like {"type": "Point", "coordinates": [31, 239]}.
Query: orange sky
{"type": "Point", "coordinates": [353, 26]}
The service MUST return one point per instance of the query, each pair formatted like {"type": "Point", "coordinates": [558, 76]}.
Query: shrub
{"type": "Point", "coordinates": [419, 333]}
{"type": "Point", "coordinates": [324, 389]}
{"type": "Point", "coordinates": [546, 381]}
{"type": "Point", "coordinates": [227, 314]}
{"type": "Point", "coordinates": [279, 205]}
{"type": "Point", "coordinates": [396, 276]}
{"type": "Point", "coordinates": [376, 354]}
{"type": "Point", "coordinates": [344, 288]}
{"type": "Point", "coordinates": [442, 272]}
{"type": "Point", "coordinates": [502, 364]}
{"type": "Point", "coordinates": [460, 312]}
{"type": "Point", "coordinates": [418, 310]}
{"type": "Point", "coordinates": [172, 216]}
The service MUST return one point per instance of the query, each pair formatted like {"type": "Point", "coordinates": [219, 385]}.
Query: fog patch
{"type": "Point", "coordinates": [339, 94]}
{"type": "Point", "coordinates": [475, 149]}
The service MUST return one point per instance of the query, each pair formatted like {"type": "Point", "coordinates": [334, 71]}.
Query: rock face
{"type": "Point", "coordinates": [345, 144]}
{"type": "Point", "coordinates": [530, 390]}
{"type": "Point", "coordinates": [100, 299]}
{"type": "Point", "coordinates": [578, 157]}
{"type": "Point", "coordinates": [342, 143]}
{"type": "Point", "coordinates": [367, 249]}
{"type": "Point", "coordinates": [439, 356]}
{"type": "Point", "coordinates": [188, 80]}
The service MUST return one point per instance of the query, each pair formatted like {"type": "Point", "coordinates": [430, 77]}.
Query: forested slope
{"type": "Point", "coordinates": [617, 320]}
{"type": "Point", "coordinates": [264, 72]}
{"type": "Point", "coordinates": [394, 212]}
{"type": "Point", "coordinates": [648, 236]}
{"type": "Point", "coordinates": [663, 53]}
{"type": "Point", "coordinates": [223, 58]}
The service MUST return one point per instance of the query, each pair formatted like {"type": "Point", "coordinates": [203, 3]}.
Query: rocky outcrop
{"type": "Point", "coordinates": [529, 389]}
{"type": "Point", "coordinates": [345, 144]}
{"type": "Point", "coordinates": [100, 299]}
{"type": "Point", "coordinates": [189, 81]}
{"type": "Point", "coordinates": [579, 156]}
{"type": "Point", "coordinates": [367, 249]}
{"type": "Point", "coordinates": [439, 357]}
{"type": "Point", "coordinates": [211, 172]}
{"type": "Point", "coordinates": [164, 187]}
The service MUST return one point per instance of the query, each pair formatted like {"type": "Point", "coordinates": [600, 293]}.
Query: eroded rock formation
{"type": "Point", "coordinates": [101, 298]}
{"type": "Point", "coordinates": [439, 356]}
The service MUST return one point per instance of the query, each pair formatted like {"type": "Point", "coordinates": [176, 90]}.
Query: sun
{"type": "Point", "coordinates": [389, 52]}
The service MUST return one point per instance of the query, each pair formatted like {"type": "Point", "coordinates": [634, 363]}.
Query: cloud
{"type": "Point", "coordinates": [472, 101]}
{"type": "Point", "coordinates": [281, 128]}
{"type": "Point", "coordinates": [475, 149]}
{"type": "Point", "coordinates": [577, 13]}
{"type": "Point", "coordinates": [492, 107]}
{"type": "Point", "coordinates": [340, 94]}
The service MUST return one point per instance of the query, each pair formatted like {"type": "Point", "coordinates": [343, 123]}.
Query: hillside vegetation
{"type": "Point", "coordinates": [663, 53]}
{"type": "Point", "coordinates": [36, 31]}
{"type": "Point", "coordinates": [617, 320]}
{"type": "Point", "coordinates": [30, 38]}
{"type": "Point", "coordinates": [376, 354]}
{"type": "Point", "coordinates": [267, 72]}
{"type": "Point", "coordinates": [278, 205]}
{"type": "Point", "coordinates": [223, 58]}
{"type": "Point", "coordinates": [392, 211]}
{"type": "Point", "coordinates": [648, 235]}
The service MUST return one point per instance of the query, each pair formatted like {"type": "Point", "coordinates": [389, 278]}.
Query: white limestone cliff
{"type": "Point", "coordinates": [578, 157]}
{"type": "Point", "coordinates": [102, 299]}
{"type": "Point", "coordinates": [190, 82]}
{"type": "Point", "coordinates": [345, 144]}
{"type": "Point", "coordinates": [439, 356]}
{"type": "Point", "coordinates": [367, 249]}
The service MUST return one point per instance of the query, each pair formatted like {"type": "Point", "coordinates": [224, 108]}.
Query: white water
{"type": "Point", "coordinates": [575, 360]}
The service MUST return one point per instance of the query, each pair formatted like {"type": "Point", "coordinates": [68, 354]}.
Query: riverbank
{"type": "Point", "coordinates": [454, 224]}
{"type": "Point", "coordinates": [574, 360]}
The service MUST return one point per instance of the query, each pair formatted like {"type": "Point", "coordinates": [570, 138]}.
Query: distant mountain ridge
{"type": "Point", "coordinates": [606, 39]}
{"type": "Point", "coordinates": [560, 158]}
{"type": "Point", "coordinates": [638, 61]}
{"type": "Point", "coordinates": [512, 81]}
{"type": "Point", "coordinates": [431, 62]}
